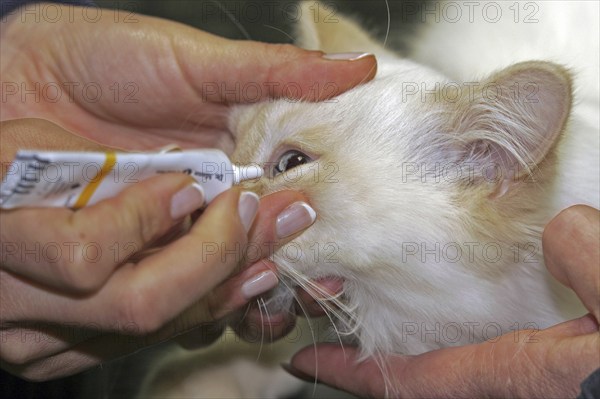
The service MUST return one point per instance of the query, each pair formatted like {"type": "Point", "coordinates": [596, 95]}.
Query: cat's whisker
{"type": "Point", "coordinates": [301, 308]}
{"type": "Point", "coordinates": [268, 317]}
{"type": "Point", "coordinates": [389, 23]}
{"type": "Point", "coordinates": [244, 315]}
{"type": "Point", "coordinates": [311, 287]}
{"type": "Point", "coordinates": [347, 317]}
{"type": "Point", "coordinates": [279, 30]}
{"type": "Point", "coordinates": [312, 333]}
{"type": "Point", "coordinates": [325, 299]}
{"type": "Point", "coordinates": [288, 14]}
{"type": "Point", "coordinates": [337, 332]}
{"type": "Point", "coordinates": [381, 363]}
{"type": "Point", "coordinates": [262, 326]}
{"type": "Point", "coordinates": [233, 19]}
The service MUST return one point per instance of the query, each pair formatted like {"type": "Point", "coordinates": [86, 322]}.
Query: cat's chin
{"type": "Point", "coordinates": [307, 297]}
{"type": "Point", "coordinates": [331, 285]}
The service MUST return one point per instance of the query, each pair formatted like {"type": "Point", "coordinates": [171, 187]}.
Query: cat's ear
{"type": "Point", "coordinates": [511, 122]}
{"type": "Point", "coordinates": [322, 27]}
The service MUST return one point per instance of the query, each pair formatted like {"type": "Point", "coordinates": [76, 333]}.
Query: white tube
{"type": "Point", "coordinates": [78, 179]}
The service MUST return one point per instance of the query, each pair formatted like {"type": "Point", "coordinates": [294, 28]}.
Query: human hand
{"type": "Point", "coordinates": [139, 82]}
{"type": "Point", "coordinates": [553, 366]}
{"type": "Point", "coordinates": [71, 293]}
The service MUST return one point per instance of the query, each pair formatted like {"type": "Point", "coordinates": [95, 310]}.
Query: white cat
{"type": "Point", "coordinates": [433, 183]}
{"type": "Point", "coordinates": [433, 191]}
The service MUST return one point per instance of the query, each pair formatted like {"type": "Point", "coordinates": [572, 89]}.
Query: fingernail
{"type": "Point", "coordinates": [297, 373]}
{"type": "Point", "coordinates": [187, 201]}
{"type": "Point", "coordinates": [294, 219]}
{"type": "Point", "coordinates": [247, 208]}
{"type": "Point", "coordinates": [259, 284]}
{"type": "Point", "coordinates": [170, 148]}
{"type": "Point", "coordinates": [346, 56]}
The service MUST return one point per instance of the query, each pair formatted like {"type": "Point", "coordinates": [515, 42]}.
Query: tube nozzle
{"type": "Point", "coordinates": [246, 172]}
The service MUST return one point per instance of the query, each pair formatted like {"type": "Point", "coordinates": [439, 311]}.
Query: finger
{"type": "Point", "coordinates": [191, 267]}
{"type": "Point", "coordinates": [146, 295]}
{"type": "Point", "coordinates": [78, 250]}
{"type": "Point", "coordinates": [282, 216]}
{"type": "Point", "coordinates": [224, 300]}
{"type": "Point", "coordinates": [57, 357]}
{"type": "Point", "coordinates": [79, 358]}
{"type": "Point", "coordinates": [433, 374]}
{"type": "Point", "coordinates": [572, 253]}
{"type": "Point", "coordinates": [258, 275]}
{"type": "Point", "coordinates": [339, 367]}
{"type": "Point", "coordinates": [258, 325]}
{"type": "Point", "coordinates": [583, 325]}
{"type": "Point", "coordinates": [506, 367]}
{"type": "Point", "coordinates": [228, 71]}
{"type": "Point", "coordinates": [39, 133]}
{"type": "Point", "coordinates": [450, 372]}
{"type": "Point", "coordinates": [94, 351]}
{"type": "Point", "coordinates": [23, 344]}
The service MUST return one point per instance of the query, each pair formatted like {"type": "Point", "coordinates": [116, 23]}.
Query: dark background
{"type": "Point", "coordinates": [272, 20]}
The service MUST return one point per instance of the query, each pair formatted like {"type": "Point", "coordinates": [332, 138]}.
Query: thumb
{"type": "Point", "coordinates": [232, 71]}
{"type": "Point", "coordinates": [449, 372]}
{"type": "Point", "coordinates": [572, 254]}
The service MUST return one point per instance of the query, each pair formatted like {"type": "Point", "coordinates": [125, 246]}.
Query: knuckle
{"type": "Point", "coordinates": [566, 223]}
{"type": "Point", "coordinates": [141, 218]}
{"type": "Point", "coordinates": [149, 226]}
{"type": "Point", "coordinates": [44, 370]}
{"type": "Point", "coordinates": [283, 53]}
{"type": "Point", "coordinates": [137, 310]}
{"type": "Point", "coordinates": [212, 307]}
{"type": "Point", "coordinates": [25, 346]}
{"type": "Point", "coordinates": [80, 273]}
{"type": "Point", "coordinates": [34, 375]}
{"type": "Point", "coordinates": [80, 264]}
{"type": "Point", "coordinates": [16, 355]}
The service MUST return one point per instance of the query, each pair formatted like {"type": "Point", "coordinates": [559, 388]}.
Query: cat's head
{"type": "Point", "coordinates": [411, 176]}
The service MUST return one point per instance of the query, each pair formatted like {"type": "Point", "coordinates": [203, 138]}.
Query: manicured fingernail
{"type": "Point", "coordinates": [170, 148]}
{"type": "Point", "coordinates": [346, 56]}
{"type": "Point", "coordinates": [297, 373]}
{"type": "Point", "coordinates": [247, 208]}
{"type": "Point", "coordinates": [187, 201]}
{"type": "Point", "coordinates": [259, 284]}
{"type": "Point", "coordinates": [294, 219]}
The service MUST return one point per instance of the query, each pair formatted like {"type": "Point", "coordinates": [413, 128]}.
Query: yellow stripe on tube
{"type": "Point", "coordinates": [90, 189]}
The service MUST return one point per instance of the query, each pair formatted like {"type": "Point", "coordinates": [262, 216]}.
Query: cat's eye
{"type": "Point", "coordinates": [290, 160]}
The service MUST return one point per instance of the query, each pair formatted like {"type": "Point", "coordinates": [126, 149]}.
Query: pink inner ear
{"type": "Point", "coordinates": [517, 123]}
{"type": "Point", "coordinates": [544, 100]}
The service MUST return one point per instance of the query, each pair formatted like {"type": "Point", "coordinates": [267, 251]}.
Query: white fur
{"type": "Point", "coordinates": [566, 32]}
{"type": "Point", "coordinates": [374, 214]}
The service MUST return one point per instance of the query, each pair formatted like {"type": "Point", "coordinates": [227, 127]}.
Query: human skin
{"type": "Point", "coordinates": [160, 83]}
{"type": "Point", "coordinates": [139, 82]}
